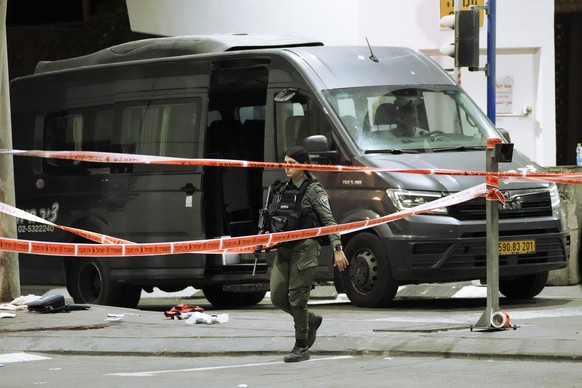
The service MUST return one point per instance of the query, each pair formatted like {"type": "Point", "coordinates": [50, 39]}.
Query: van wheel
{"type": "Point", "coordinates": [523, 287]}
{"type": "Point", "coordinates": [220, 298]}
{"type": "Point", "coordinates": [88, 281]}
{"type": "Point", "coordinates": [254, 297]}
{"type": "Point", "coordinates": [368, 280]}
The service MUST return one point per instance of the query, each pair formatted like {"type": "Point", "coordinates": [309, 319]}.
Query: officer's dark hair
{"type": "Point", "coordinates": [300, 155]}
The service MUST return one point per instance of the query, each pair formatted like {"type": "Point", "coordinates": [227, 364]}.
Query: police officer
{"type": "Point", "coordinates": [301, 203]}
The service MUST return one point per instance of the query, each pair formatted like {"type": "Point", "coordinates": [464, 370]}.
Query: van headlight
{"type": "Point", "coordinates": [406, 199]}
{"type": "Point", "coordinates": [554, 196]}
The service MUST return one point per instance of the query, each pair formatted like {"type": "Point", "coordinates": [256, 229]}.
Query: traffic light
{"type": "Point", "coordinates": [465, 49]}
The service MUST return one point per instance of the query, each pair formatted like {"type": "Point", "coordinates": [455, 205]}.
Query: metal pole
{"type": "Point", "coordinates": [491, 207]}
{"type": "Point", "coordinates": [492, 248]}
{"type": "Point", "coordinates": [9, 273]}
{"type": "Point", "coordinates": [457, 69]}
{"type": "Point", "coordinates": [491, 47]}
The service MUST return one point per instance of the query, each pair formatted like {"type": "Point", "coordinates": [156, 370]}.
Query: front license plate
{"type": "Point", "coordinates": [518, 247]}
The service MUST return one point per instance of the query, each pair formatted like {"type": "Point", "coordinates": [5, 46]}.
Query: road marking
{"type": "Point", "coordinates": [471, 292]}
{"type": "Point", "coordinates": [208, 368]}
{"type": "Point", "coordinates": [20, 357]}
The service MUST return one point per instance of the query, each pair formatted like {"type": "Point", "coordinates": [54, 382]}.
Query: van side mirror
{"type": "Point", "coordinates": [285, 95]}
{"type": "Point", "coordinates": [505, 134]}
{"type": "Point", "coordinates": [317, 146]}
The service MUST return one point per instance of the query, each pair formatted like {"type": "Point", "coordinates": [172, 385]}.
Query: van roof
{"type": "Point", "coordinates": [175, 46]}
{"type": "Point", "coordinates": [352, 66]}
{"type": "Point", "coordinates": [334, 66]}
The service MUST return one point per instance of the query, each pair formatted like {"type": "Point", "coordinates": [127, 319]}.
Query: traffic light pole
{"type": "Point", "coordinates": [457, 69]}
{"type": "Point", "coordinates": [493, 318]}
{"type": "Point", "coordinates": [491, 10]}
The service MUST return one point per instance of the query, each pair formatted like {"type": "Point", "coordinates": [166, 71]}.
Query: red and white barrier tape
{"type": "Point", "coordinates": [118, 247]}
{"type": "Point", "coordinates": [221, 245]}
{"type": "Point", "coordinates": [93, 236]}
{"type": "Point", "coordinates": [109, 157]}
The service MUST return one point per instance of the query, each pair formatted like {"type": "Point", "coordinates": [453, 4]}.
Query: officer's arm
{"type": "Point", "coordinates": [323, 211]}
{"type": "Point", "coordinates": [321, 207]}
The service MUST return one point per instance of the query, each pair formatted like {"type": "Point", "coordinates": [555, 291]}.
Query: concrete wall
{"type": "Point", "coordinates": [570, 196]}
{"type": "Point", "coordinates": [525, 43]}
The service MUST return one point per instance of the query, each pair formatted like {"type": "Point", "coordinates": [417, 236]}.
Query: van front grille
{"type": "Point", "coordinates": [519, 204]}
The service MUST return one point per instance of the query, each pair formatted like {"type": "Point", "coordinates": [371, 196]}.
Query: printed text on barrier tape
{"type": "Point", "coordinates": [93, 236]}
{"type": "Point", "coordinates": [226, 244]}
{"type": "Point", "coordinates": [107, 157]}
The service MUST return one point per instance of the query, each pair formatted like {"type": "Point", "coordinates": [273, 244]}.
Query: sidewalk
{"type": "Point", "coordinates": [550, 330]}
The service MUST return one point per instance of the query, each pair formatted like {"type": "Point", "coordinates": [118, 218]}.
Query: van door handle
{"type": "Point", "coordinates": [188, 188]}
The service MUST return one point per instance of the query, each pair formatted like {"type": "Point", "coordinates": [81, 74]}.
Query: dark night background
{"type": "Point", "coordinates": [56, 29]}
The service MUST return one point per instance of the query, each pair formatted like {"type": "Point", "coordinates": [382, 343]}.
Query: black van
{"type": "Point", "coordinates": [249, 98]}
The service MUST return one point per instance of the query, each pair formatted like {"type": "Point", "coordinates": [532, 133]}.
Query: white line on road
{"type": "Point", "coordinates": [207, 368]}
{"type": "Point", "coordinates": [471, 292]}
{"type": "Point", "coordinates": [20, 357]}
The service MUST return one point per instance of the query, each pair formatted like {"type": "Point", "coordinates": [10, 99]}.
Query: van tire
{"type": "Point", "coordinates": [89, 282]}
{"type": "Point", "coordinates": [130, 296]}
{"type": "Point", "coordinates": [221, 299]}
{"type": "Point", "coordinates": [523, 287]}
{"type": "Point", "coordinates": [368, 280]}
{"type": "Point", "coordinates": [254, 297]}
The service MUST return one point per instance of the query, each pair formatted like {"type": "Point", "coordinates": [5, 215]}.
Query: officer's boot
{"type": "Point", "coordinates": [300, 352]}
{"type": "Point", "coordinates": [314, 323]}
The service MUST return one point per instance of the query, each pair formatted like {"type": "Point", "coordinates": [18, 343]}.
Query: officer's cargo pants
{"type": "Point", "coordinates": [291, 280]}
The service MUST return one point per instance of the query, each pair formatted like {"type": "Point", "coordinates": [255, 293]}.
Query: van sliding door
{"type": "Point", "coordinates": [236, 129]}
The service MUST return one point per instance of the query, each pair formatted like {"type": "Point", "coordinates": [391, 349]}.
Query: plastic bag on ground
{"type": "Point", "coordinates": [203, 318]}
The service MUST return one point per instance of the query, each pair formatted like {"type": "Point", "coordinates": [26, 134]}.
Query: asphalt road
{"type": "Point", "coordinates": [426, 314]}
{"type": "Point", "coordinates": [271, 371]}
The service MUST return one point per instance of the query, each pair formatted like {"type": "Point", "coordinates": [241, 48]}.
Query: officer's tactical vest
{"type": "Point", "coordinates": [288, 214]}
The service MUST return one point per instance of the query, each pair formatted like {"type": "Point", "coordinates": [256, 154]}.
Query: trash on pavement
{"type": "Point", "coordinates": [19, 303]}
{"type": "Point", "coordinates": [119, 317]}
{"type": "Point", "coordinates": [179, 309]}
{"type": "Point", "coordinates": [54, 304]}
{"type": "Point", "coordinates": [203, 318]}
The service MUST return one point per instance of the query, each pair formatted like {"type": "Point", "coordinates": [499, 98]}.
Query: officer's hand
{"type": "Point", "coordinates": [340, 260]}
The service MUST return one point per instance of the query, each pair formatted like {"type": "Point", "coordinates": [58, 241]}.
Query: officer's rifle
{"type": "Point", "coordinates": [263, 224]}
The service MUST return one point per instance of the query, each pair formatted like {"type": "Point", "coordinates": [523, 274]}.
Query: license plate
{"type": "Point", "coordinates": [518, 247]}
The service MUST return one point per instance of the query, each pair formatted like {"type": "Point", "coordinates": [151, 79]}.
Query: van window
{"type": "Point", "coordinates": [443, 112]}
{"type": "Point", "coordinates": [251, 113]}
{"type": "Point", "coordinates": [419, 120]}
{"type": "Point", "coordinates": [297, 119]}
{"type": "Point", "coordinates": [213, 116]}
{"type": "Point", "coordinates": [85, 129]}
{"type": "Point", "coordinates": [64, 133]}
{"type": "Point", "coordinates": [161, 128]}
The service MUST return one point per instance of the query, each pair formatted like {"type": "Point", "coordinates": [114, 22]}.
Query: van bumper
{"type": "Point", "coordinates": [430, 259]}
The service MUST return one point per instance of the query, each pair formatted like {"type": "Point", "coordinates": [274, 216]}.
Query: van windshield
{"type": "Point", "coordinates": [404, 119]}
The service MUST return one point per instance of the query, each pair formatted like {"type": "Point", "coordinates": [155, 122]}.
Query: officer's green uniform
{"type": "Point", "coordinates": [294, 267]}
